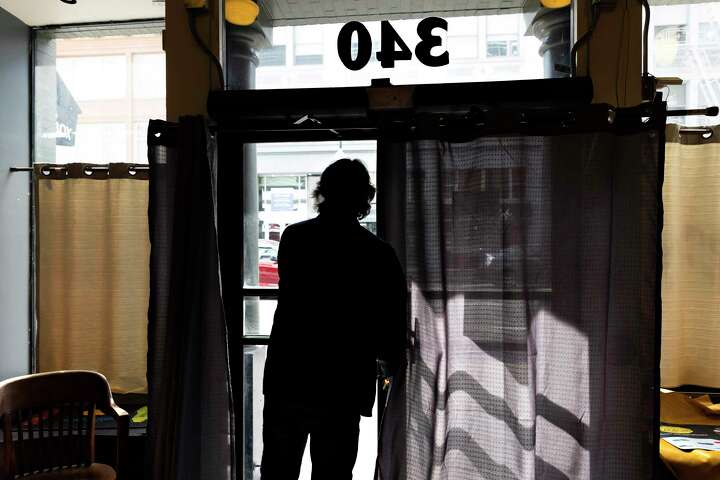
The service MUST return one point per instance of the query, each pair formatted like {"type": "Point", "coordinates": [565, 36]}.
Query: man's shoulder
{"type": "Point", "coordinates": [380, 246]}
{"type": "Point", "coordinates": [311, 225]}
{"type": "Point", "coordinates": [301, 226]}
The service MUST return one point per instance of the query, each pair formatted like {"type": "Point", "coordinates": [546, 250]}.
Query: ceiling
{"type": "Point", "coordinates": [53, 12]}
{"type": "Point", "coordinates": [309, 12]}
{"type": "Point", "coordinates": [275, 12]}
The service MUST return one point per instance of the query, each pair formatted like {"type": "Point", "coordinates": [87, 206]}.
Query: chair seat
{"type": "Point", "coordinates": [96, 471]}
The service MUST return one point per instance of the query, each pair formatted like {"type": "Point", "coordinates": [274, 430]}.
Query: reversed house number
{"type": "Point", "coordinates": [389, 39]}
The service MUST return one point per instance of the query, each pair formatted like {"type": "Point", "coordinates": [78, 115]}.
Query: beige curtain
{"type": "Point", "coordinates": [691, 260]}
{"type": "Point", "coordinates": [92, 271]}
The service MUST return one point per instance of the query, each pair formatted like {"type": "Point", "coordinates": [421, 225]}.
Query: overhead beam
{"type": "Point", "coordinates": [615, 50]}
{"type": "Point", "coordinates": [190, 73]}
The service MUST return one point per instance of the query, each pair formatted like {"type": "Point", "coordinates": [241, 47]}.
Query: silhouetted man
{"type": "Point", "coordinates": [341, 308]}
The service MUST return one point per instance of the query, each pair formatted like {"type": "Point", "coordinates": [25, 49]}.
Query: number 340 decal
{"type": "Point", "coordinates": [389, 39]}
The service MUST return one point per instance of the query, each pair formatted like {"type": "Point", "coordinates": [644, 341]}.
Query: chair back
{"type": "Point", "coordinates": [48, 420]}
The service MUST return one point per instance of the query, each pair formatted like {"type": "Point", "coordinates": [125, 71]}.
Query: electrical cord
{"type": "Point", "coordinates": [192, 24]}
{"type": "Point", "coordinates": [619, 51]}
{"type": "Point", "coordinates": [584, 38]}
{"type": "Point", "coordinates": [646, 34]}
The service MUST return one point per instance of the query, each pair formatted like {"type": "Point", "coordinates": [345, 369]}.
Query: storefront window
{"type": "Point", "coordinates": [685, 44]}
{"type": "Point", "coordinates": [482, 48]}
{"type": "Point", "coordinates": [94, 92]}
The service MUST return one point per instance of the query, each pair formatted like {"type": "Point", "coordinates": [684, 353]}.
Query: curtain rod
{"type": "Point", "coordinates": [705, 112]}
{"type": "Point", "coordinates": [92, 168]}
{"type": "Point", "coordinates": [698, 130]}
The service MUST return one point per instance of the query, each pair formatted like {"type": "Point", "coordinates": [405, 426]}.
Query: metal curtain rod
{"type": "Point", "coordinates": [698, 130]}
{"type": "Point", "coordinates": [705, 112]}
{"type": "Point", "coordinates": [90, 168]}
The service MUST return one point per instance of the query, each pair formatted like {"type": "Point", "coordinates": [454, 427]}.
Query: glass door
{"type": "Point", "coordinates": [278, 194]}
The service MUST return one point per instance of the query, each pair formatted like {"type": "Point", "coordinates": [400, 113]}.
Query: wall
{"type": "Point", "coordinates": [14, 196]}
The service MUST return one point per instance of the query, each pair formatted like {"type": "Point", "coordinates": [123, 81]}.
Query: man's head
{"type": "Point", "coordinates": [345, 189]}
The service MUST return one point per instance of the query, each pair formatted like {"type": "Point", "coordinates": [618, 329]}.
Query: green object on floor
{"type": "Point", "coordinates": [141, 415]}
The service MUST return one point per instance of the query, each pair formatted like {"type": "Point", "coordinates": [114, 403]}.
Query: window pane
{"type": "Point", "coordinates": [514, 59]}
{"type": "Point", "coordinates": [684, 43]}
{"type": "Point", "coordinates": [140, 150]}
{"type": "Point", "coordinates": [259, 313]}
{"type": "Point", "coordinates": [287, 174]}
{"type": "Point", "coordinates": [96, 143]}
{"type": "Point", "coordinates": [497, 48]}
{"type": "Point", "coordinates": [308, 45]}
{"type": "Point", "coordinates": [675, 96]}
{"type": "Point", "coordinates": [458, 26]}
{"type": "Point", "coordinates": [94, 77]}
{"type": "Point", "coordinates": [93, 96]}
{"type": "Point", "coordinates": [463, 47]}
{"type": "Point", "coordinates": [670, 40]}
{"type": "Point", "coordinates": [502, 24]}
{"type": "Point", "coordinates": [253, 402]}
{"type": "Point", "coordinates": [272, 56]}
{"type": "Point", "coordinates": [149, 75]}
{"type": "Point", "coordinates": [308, 34]}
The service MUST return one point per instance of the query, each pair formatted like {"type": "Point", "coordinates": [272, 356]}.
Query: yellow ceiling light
{"type": "Point", "coordinates": [555, 3]}
{"type": "Point", "coordinates": [241, 12]}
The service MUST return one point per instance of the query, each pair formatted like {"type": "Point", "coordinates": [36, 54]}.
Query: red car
{"type": "Point", "coordinates": [267, 263]}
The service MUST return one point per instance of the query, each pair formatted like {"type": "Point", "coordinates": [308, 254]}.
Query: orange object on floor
{"type": "Point", "coordinates": [679, 409]}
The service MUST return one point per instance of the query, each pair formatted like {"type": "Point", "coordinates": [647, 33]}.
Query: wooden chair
{"type": "Point", "coordinates": [48, 421]}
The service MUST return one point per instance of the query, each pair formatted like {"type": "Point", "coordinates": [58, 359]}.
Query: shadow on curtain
{"type": "Point", "coordinates": [190, 421]}
{"type": "Point", "coordinates": [533, 264]}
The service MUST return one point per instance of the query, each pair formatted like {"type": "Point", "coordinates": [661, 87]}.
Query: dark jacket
{"type": "Point", "coordinates": [341, 306]}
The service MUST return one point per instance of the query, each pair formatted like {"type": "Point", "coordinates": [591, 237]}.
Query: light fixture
{"type": "Point", "coordinates": [241, 12]}
{"type": "Point", "coordinates": [555, 3]}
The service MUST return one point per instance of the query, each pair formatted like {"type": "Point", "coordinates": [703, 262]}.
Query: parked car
{"type": "Point", "coordinates": [267, 263]}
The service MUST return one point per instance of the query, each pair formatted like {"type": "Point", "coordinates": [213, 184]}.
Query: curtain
{"type": "Point", "coordinates": [691, 246]}
{"type": "Point", "coordinates": [533, 269]}
{"type": "Point", "coordinates": [92, 274]}
{"type": "Point", "coordinates": [190, 421]}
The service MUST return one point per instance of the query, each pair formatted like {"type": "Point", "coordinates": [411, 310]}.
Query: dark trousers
{"type": "Point", "coordinates": [333, 442]}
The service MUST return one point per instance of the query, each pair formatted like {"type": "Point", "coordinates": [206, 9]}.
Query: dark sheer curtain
{"type": "Point", "coordinates": [190, 409]}
{"type": "Point", "coordinates": [533, 268]}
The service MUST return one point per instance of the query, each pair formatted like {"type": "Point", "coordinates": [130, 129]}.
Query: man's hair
{"type": "Point", "coordinates": [345, 187]}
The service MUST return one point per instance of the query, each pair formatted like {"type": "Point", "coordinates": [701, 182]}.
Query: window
{"type": "Point", "coordinates": [148, 71]}
{"type": "Point", "coordinates": [502, 48]}
{"type": "Point", "coordinates": [709, 91]}
{"type": "Point", "coordinates": [96, 143]}
{"type": "Point", "coordinates": [287, 176]}
{"type": "Point", "coordinates": [685, 45]}
{"type": "Point", "coordinates": [502, 37]}
{"type": "Point", "coordinates": [308, 45]}
{"type": "Point", "coordinates": [511, 57]}
{"type": "Point", "coordinates": [671, 33]}
{"type": "Point", "coordinates": [281, 193]}
{"type": "Point", "coordinates": [676, 97]}
{"type": "Point", "coordinates": [463, 37]}
{"type": "Point", "coordinates": [95, 92]}
{"type": "Point", "coordinates": [375, 47]}
{"type": "Point", "coordinates": [671, 40]}
{"type": "Point", "coordinates": [272, 56]}
{"type": "Point", "coordinates": [708, 33]}
{"type": "Point", "coordinates": [94, 77]}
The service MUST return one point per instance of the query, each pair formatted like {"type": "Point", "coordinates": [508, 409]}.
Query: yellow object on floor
{"type": "Point", "coordinates": [141, 415]}
{"type": "Point", "coordinates": [679, 409]}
